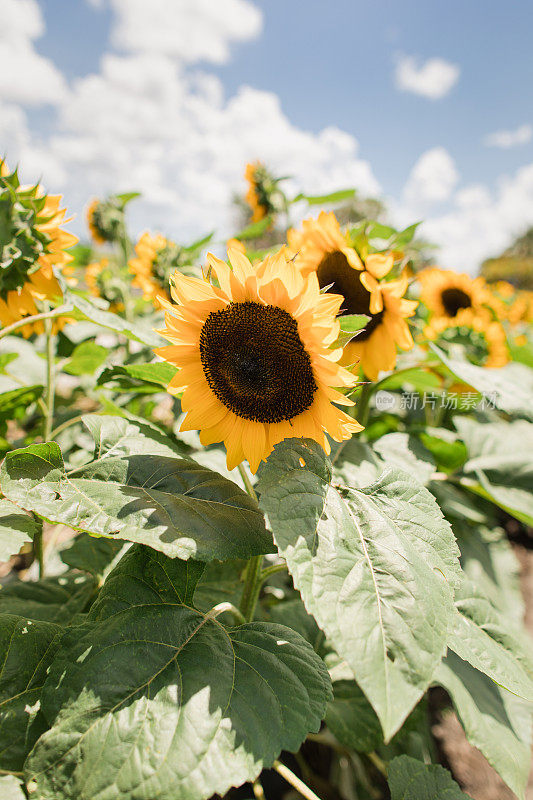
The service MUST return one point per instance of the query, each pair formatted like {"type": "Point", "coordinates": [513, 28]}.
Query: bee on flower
{"type": "Point", "coordinates": [32, 243]}
{"type": "Point", "coordinates": [321, 248]}
{"type": "Point", "coordinates": [254, 357]}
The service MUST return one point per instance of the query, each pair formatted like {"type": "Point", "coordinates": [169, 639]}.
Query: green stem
{"type": "Point", "coordinates": [252, 584]}
{"type": "Point", "coordinates": [66, 308]}
{"type": "Point", "coordinates": [64, 426]}
{"type": "Point", "coordinates": [38, 549]}
{"type": "Point", "coordinates": [294, 781]}
{"type": "Point", "coordinates": [362, 409]}
{"type": "Point", "coordinates": [268, 571]}
{"type": "Point", "coordinates": [50, 379]}
{"type": "Point", "coordinates": [378, 762]}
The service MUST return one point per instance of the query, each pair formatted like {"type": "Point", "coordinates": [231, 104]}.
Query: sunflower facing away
{"type": "Point", "coordinates": [264, 195]}
{"type": "Point", "coordinates": [322, 249]}
{"type": "Point", "coordinates": [106, 282]}
{"type": "Point", "coordinates": [254, 357]}
{"type": "Point", "coordinates": [157, 258]}
{"type": "Point", "coordinates": [445, 292]}
{"type": "Point", "coordinates": [31, 244]}
{"type": "Point", "coordinates": [482, 337]}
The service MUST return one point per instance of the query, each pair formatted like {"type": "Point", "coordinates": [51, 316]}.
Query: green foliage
{"type": "Point", "coordinates": [410, 779]}
{"type": "Point", "coordinates": [217, 689]}
{"type": "Point", "coordinates": [365, 546]}
{"type": "Point", "coordinates": [174, 505]}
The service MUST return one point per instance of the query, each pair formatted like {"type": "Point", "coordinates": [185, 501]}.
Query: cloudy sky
{"type": "Point", "coordinates": [427, 104]}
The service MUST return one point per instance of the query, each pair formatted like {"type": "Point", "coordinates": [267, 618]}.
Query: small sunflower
{"type": "Point", "coordinates": [264, 195]}
{"type": "Point", "coordinates": [106, 218]}
{"type": "Point", "coordinates": [321, 248]}
{"type": "Point", "coordinates": [92, 217]}
{"type": "Point", "coordinates": [157, 260]}
{"type": "Point", "coordinates": [445, 293]}
{"type": "Point", "coordinates": [482, 337]}
{"type": "Point", "coordinates": [32, 242]}
{"type": "Point", "coordinates": [102, 281]}
{"type": "Point", "coordinates": [254, 357]}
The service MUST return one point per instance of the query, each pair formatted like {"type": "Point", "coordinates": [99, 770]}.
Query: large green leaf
{"type": "Point", "coordinates": [373, 565]}
{"type": "Point", "coordinates": [173, 505]}
{"type": "Point", "coordinates": [26, 650]}
{"type": "Point", "coordinates": [155, 375]}
{"type": "Point", "coordinates": [120, 436]}
{"type": "Point", "coordinates": [410, 779]}
{"type": "Point", "coordinates": [508, 388]}
{"type": "Point", "coordinates": [484, 638]}
{"type": "Point", "coordinates": [501, 459]}
{"type": "Point", "coordinates": [154, 699]}
{"type": "Point", "coordinates": [351, 718]}
{"type": "Point", "coordinates": [495, 721]}
{"type": "Point", "coordinates": [136, 331]}
{"type": "Point", "coordinates": [92, 554]}
{"type": "Point", "coordinates": [16, 529]}
{"type": "Point", "coordinates": [57, 599]}
{"type": "Point", "coordinates": [489, 561]}
{"type": "Point", "coordinates": [86, 359]}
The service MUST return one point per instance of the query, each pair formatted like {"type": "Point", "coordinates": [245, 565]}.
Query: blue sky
{"type": "Point", "coordinates": [310, 66]}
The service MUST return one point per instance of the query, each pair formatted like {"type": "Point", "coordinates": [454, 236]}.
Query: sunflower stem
{"type": "Point", "coordinates": [55, 312]}
{"type": "Point", "coordinates": [65, 425]}
{"type": "Point", "coordinates": [50, 379]}
{"type": "Point", "coordinates": [252, 583]}
{"type": "Point", "coordinates": [295, 781]}
{"type": "Point", "coordinates": [362, 408]}
{"type": "Point", "coordinates": [38, 548]}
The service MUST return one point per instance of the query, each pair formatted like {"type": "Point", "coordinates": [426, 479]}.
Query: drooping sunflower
{"type": "Point", "coordinates": [445, 293]}
{"type": "Point", "coordinates": [264, 195]}
{"type": "Point", "coordinates": [482, 337]}
{"type": "Point", "coordinates": [321, 248]}
{"type": "Point", "coordinates": [157, 258]}
{"type": "Point", "coordinates": [32, 242]}
{"type": "Point", "coordinates": [106, 218]}
{"type": "Point", "coordinates": [105, 282]}
{"type": "Point", "coordinates": [254, 357]}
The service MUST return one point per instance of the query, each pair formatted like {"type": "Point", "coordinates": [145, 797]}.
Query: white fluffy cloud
{"type": "Point", "coordinates": [507, 139]}
{"type": "Point", "coordinates": [25, 76]}
{"type": "Point", "coordinates": [433, 79]}
{"type": "Point", "coordinates": [480, 223]}
{"type": "Point", "coordinates": [432, 179]}
{"type": "Point", "coordinates": [188, 30]}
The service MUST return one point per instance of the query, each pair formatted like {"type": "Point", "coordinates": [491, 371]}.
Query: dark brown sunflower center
{"type": "Point", "coordinates": [454, 300]}
{"type": "Point", "coordinates": [334, 269]}
{"type": "Point", "coordinates": [255, 363]}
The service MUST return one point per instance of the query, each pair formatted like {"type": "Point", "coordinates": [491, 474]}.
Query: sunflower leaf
{"type": "Point", "coordinates": [508, 388]}
{"type": "Point", "coordinates": [495, 721]}
{"type": "Point", "coordinates": [373, 565]}
{"type": "Point", "coordinates": [200, 706]}
{"type": "Point", "coordinates": [27, 648]}
{"type": "Point", "coordinates": [171, 504]}
{"type": "Point", "coordinates": [16, 528]}
{"type": "Point", "coordinates": [410, 779]}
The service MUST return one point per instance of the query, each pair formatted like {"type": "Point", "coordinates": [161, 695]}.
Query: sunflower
{"type": "Point", "coordinates": [321, 248]}
{"type": "Point", "coordinates": [156, 261]}
{"type": "Point", "coordinates": [445, 293]}
{"type": "Point", "coordinates": [254, 357]}
{"type": "Point", "coordinates": [264, 195]}
{"type": "Point", "coordinates": [103, 281]}
{"type": "Point", "coordinates": [106, 218]}
{"type": "Point", "coordinates": [92, 217]}
{"type": "Point", "coordinates": [32, 242]}
{"type": "Point", "coordinates": [482, 337]}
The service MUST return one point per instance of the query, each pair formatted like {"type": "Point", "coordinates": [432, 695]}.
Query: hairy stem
{"type": "Point", "coordinates": [50, 379]}
{"type": "Point", "coordinates": [65, 425]}
{"type": "Point", "coordinates": [252, 584]}
{"type": "Point", "coordinates": [66, 308]}
{"type": "Point", "coordinates": [295, 781]}
{"type": "Point", "coordinates": [38, 548]}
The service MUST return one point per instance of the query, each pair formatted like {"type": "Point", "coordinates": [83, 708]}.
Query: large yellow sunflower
{"type": "Point", "coordinates": [321, 248]}
{"type": "Point", "coordinates": [32, 244]}
{"type": "Point", "coordinates": [482, 336]}
{"type": "Point", "coordinates": [254, 357]}
{"type": "Point", "coordinates": [445, 292]}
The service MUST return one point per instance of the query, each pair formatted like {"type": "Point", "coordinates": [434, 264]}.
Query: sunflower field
{"type": "Point", "coordinates": [259, 512]}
